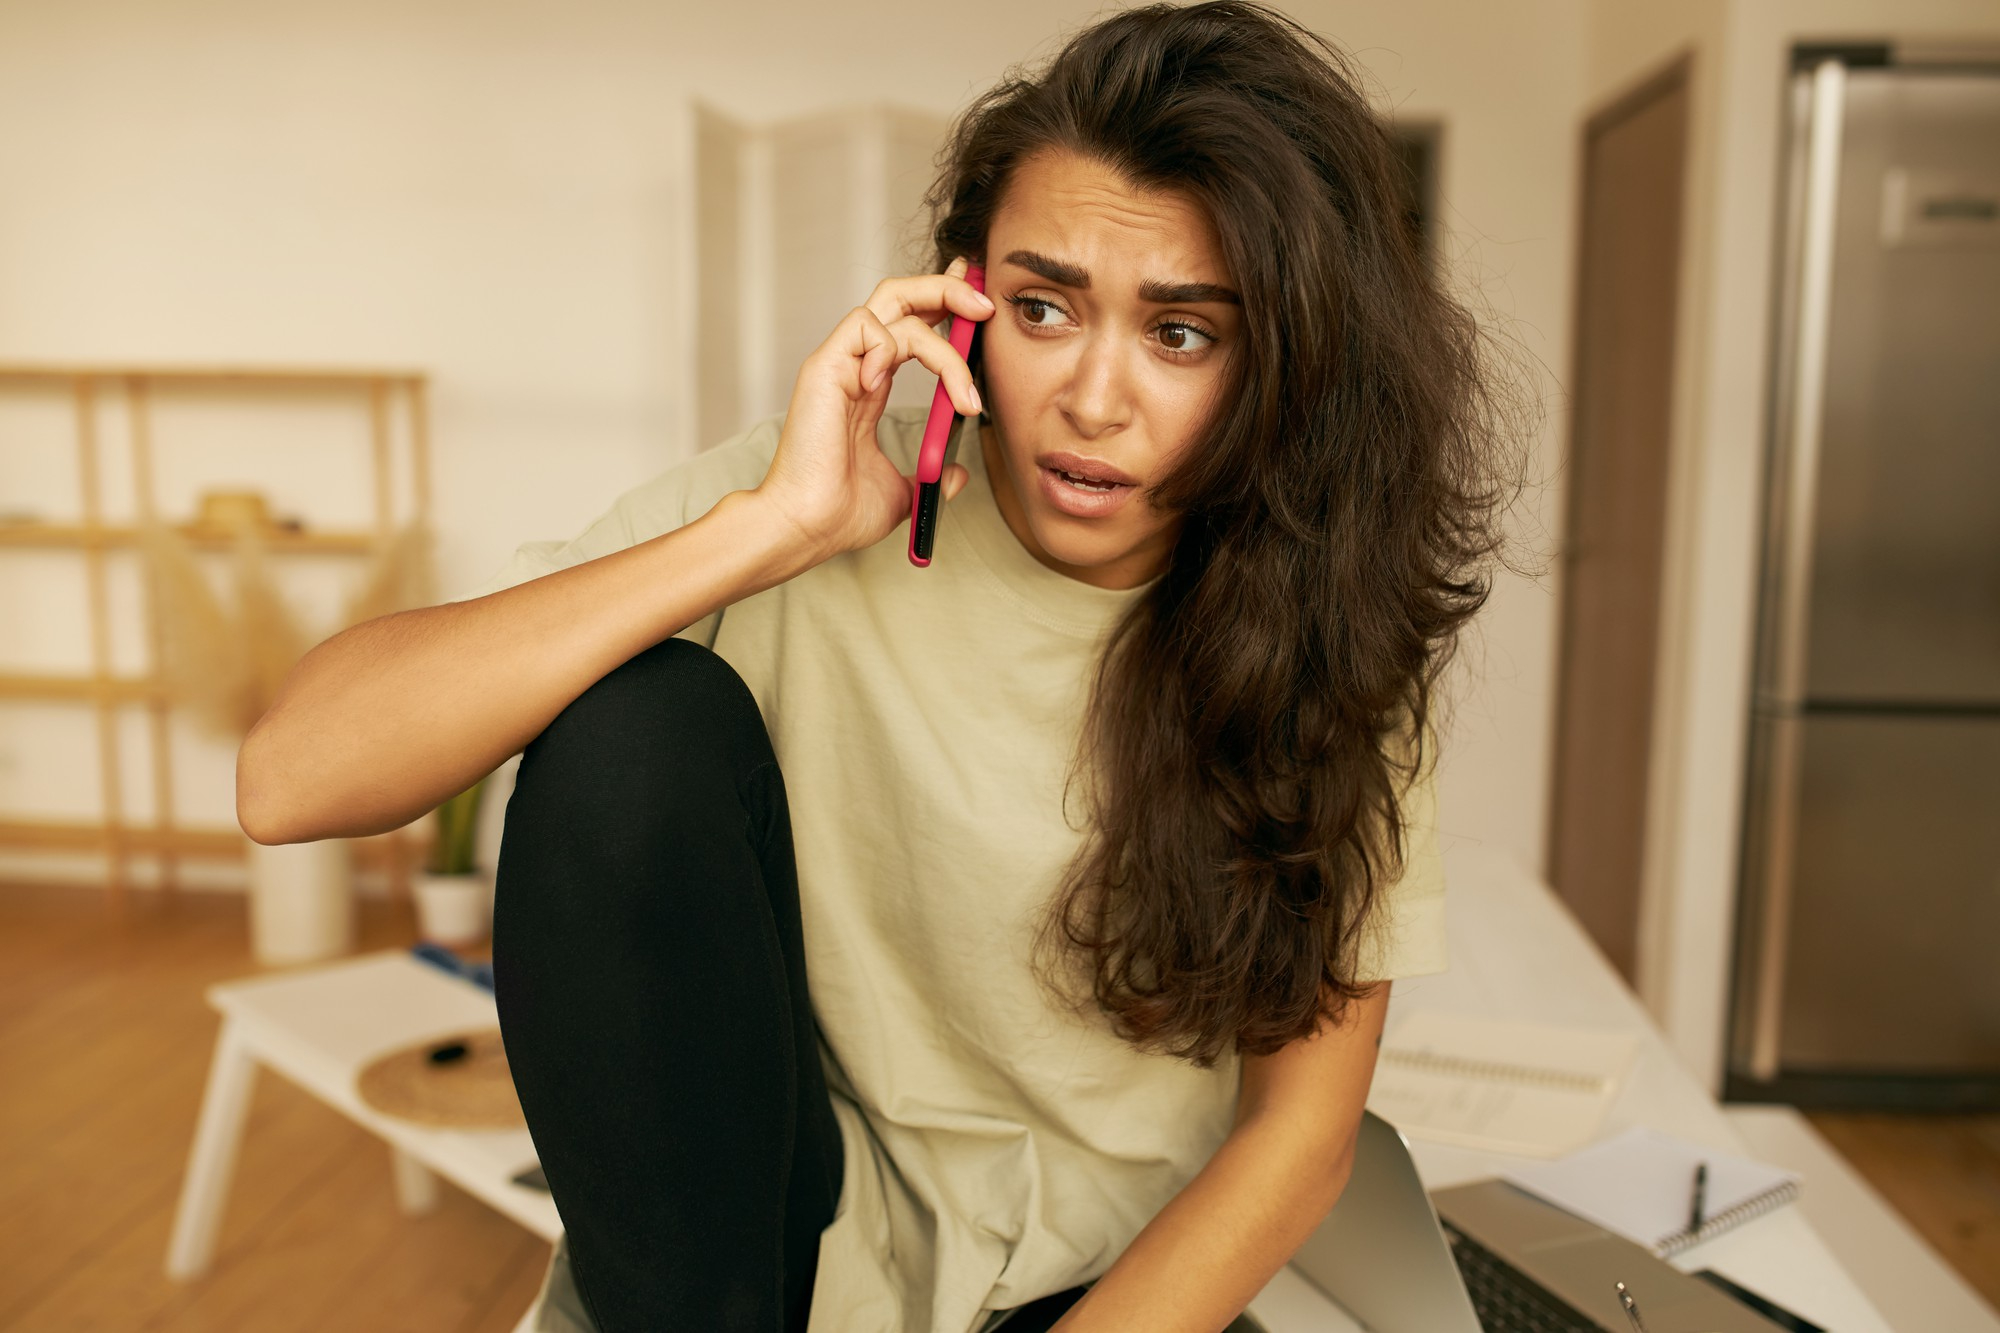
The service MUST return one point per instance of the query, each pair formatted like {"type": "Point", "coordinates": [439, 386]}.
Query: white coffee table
{"type": "Point", "coordinates": [318, 1027]}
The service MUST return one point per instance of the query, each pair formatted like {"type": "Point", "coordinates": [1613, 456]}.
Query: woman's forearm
{"type": "Point", "coordinates": [383, 721]}
{"type": "Point", "coordinates": [1215, 1245]}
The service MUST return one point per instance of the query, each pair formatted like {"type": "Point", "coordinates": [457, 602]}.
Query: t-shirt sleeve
{"type": "Point", "coordinates": [675, 498]}
{"type": "Point", "coordinates": [1405, 935]}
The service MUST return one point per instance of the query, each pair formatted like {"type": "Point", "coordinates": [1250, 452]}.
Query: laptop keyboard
{"type": "Point", "coordinates": [1505, 1299]}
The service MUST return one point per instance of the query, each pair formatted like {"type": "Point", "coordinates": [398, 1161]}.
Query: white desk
{"type": "Point", "coordinates": [318, 1027]}
{"type": "Point", "coordinates": [1517, 953]}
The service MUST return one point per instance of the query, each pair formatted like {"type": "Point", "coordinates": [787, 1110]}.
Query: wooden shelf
{"type": "Point", "coordinates": [323, 541]}
{"type": "Point", "coordinates": [380, 852]}
{"type": "Point", "coordinates": [385, 394]}
{"type": "Point", "coordinates": [227, 376]}
{"type": "Point", "coordinates": [85, 689]}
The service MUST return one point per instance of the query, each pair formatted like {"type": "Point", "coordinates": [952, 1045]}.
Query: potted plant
{"type": "Point", "coordinates": [454, 896]}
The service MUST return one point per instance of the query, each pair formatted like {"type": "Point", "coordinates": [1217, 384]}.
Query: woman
{"type": "Point", "coordinates": [1100, 840]}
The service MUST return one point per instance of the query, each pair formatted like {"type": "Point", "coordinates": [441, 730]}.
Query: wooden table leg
{"type": "Point", "coordinates": [232, 1074]}
{"type": "Point", "coordinates": [416, 1184]}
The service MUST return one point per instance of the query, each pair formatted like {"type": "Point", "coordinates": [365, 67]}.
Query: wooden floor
{"type": "Point", "coordinates": [104, 1043]}
{"type": "Point", "coordinates": [1942, 1173]}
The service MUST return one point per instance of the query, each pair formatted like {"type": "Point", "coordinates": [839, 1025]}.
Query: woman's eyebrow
{"type": "Point", "coordinates": [1059, 271]}
{"type": "Point", "coordinates": [1186, 293]}
{"type": "Point", "coordinates": [1065, 274]}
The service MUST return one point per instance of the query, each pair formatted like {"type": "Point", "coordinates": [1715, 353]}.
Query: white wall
{"type": "Point", "coordinates": [1505, 80]}
{"type": "Point", "coordinates": [490, 191]}
{"type": "Point", "coordinates": [1743, 48]}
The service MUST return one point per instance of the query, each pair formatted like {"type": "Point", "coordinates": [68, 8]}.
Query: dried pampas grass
{"type": "Point", "coordinates": [401, 576]}
{"type": "Point", "coordinates": [202, 664]}
{"type": "Point", "coordinates": [268, 634]}
{"type": "Point", "coordinates": [225, 663]}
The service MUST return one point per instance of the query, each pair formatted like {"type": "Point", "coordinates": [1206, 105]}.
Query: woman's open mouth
{"type": "Point", "coordinates": [1084, 483]}
{"type": "Point", "coordinates": [1083, 487]}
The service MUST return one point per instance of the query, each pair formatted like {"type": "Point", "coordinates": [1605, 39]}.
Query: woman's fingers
{"type": "Point", "coordinates": [930, 297]}
{"type": "Point", "coordinates": [876, 349]}
{"type": "Point", "coordinates": [954, 479]}
{"type": "Point", "coordinates": [919, 341]}
{"type": "Point", "coordinates": [881, 334]}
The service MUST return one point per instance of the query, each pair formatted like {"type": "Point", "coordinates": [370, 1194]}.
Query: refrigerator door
{"type": "Point", "coordinates": [1892, 952]}
{"type": "Point", "coordinates": [1868, 950]}
{"type": "Point", "coordinates": [1904, 600]}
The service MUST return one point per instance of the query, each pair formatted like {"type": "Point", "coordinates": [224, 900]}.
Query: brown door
{"type": "Point", "coordinates": [1614, 535]}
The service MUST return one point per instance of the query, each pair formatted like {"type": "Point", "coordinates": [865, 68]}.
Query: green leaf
{"type": "Point", "coordinates": [457, 824]}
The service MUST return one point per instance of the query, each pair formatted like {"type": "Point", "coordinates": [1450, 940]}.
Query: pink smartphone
{"type": "Point", "coordinates": [943, 420]}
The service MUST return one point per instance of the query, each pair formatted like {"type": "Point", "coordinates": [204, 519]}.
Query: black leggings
{"type": "Point", "coordinates": [651, 979]}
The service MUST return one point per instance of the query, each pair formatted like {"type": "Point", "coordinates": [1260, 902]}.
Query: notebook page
{"type": "Point", "coordinates": [1640, 1185]}
{"type": "Point", "coordinates": [1533, 1089]}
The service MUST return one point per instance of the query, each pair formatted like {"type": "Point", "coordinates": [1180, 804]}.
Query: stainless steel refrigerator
{"type": "Point", "coordinates": [1868, 953]}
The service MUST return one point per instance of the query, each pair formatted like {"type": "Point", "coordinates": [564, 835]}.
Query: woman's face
{"type": "Point", "coordinates": [1117, 318]}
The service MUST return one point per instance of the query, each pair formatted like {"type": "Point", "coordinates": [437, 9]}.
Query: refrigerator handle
{"type": "Point", "coordinates": [1808, 379]}
{"type": "Point", "coordinates": [1800, 478]}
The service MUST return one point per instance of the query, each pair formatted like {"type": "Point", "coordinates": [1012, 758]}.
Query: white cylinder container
{"type": "Point", "coordinates": [454, 910]}
{"type": "Point", "coordinates": [301, 901]}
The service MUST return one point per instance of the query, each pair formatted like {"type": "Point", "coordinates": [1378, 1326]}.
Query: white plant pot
{"type": "Point", "coordinates": [454, 910]}
{"type": "Point", "coordinates": [301, 901]}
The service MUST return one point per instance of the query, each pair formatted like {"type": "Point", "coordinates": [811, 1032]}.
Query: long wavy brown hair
{"type": "Point", "coordinates": [1259, 713]}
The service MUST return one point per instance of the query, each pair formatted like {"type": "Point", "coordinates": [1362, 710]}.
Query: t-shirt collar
{"type": "Point", "coordinates": [1056, 598]}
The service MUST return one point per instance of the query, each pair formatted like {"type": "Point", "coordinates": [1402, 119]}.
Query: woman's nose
{"type": "Point", "coordinates": [1097, 399]}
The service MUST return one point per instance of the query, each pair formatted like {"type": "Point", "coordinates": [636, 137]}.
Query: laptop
{"type": "Point", "coordinates": [1490, 1258]}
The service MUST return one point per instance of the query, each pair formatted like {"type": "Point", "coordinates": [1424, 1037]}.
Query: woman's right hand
{"type": "Point", "coordinates": [829, 479]}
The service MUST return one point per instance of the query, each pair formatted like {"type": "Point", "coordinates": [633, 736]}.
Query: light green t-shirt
{"type": "Point", "coordinates": [999, 1146]}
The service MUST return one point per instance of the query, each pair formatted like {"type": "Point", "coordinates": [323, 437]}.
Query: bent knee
{"type": "Point", "coordinates": [666, 705]}
{"type": "Point", "coordinates": [678, 669]}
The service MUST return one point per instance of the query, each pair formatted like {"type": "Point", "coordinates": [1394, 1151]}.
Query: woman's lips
{"type": "Point", "coordinates": [1083, 487]}
{"type": "Point", "coordinates": [1090, 469]}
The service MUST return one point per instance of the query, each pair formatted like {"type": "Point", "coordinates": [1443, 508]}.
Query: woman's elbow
{"type": "Point", "coordinates": [268, 806]}
{"type": "Point", "coordinates": [256, 812]}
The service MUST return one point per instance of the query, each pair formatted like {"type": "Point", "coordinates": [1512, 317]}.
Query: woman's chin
{"type": "Point", "coordinates": [1081, 544]}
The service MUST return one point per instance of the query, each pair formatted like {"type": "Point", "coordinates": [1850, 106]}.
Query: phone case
{"type": "Point", "coordinates": [929, 492]}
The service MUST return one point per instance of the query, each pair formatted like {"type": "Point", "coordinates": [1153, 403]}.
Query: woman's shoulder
{"type": "Point", "coordinates": [692, 487]}
{"type": "Point", "coordinates": [684, 492]}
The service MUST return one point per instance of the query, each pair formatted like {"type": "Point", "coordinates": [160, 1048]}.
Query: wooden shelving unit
{"type": "Point", "coordinates": [382, 394]}
{"type": "Point", "coordinates": [103, 535]}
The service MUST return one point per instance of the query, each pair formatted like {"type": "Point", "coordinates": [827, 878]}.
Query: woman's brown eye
{"type": "Point", "coordinates": [1177, 338]}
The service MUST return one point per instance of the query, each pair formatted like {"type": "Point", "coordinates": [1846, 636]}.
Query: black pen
{"type": "Point", "coordinates": [1698, 1205]}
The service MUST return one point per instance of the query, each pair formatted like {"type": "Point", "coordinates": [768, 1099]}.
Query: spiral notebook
{"type": "Point", "coordinates": [1640, 1185]}
{"type": "Point", "coordinates": [1532, 1089]}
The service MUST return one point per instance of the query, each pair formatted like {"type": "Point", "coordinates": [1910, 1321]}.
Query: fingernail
{"type": "Point", "coordinates": [972, 392]}
{"type": "Point", "coordinates": [984, 300]}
